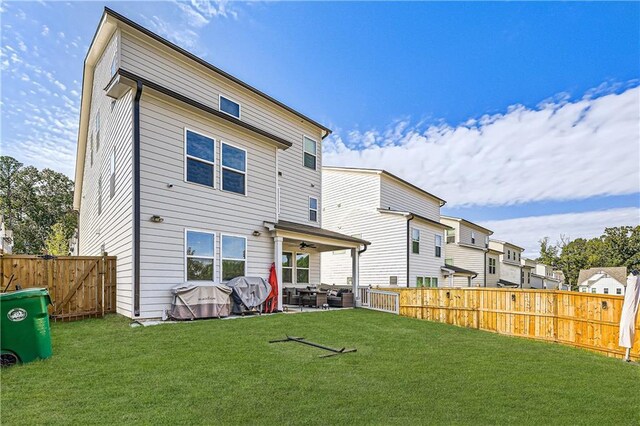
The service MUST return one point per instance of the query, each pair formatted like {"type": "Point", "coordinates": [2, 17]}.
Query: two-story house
{"type": "Point", "coordinates": [543, 277]}
{"type": "Point", "coordinates": [604, 280]}
{"type": "Point", "coordinates": [188, 174]}
{"type": "Point", "coordinates": [401, 220]}
{"type": "Point", "coordinates": [467, 244]}
{"type": "Point", "coordinates": [510, 271]}
{"type": "Point", "coordinates": [527, 272]}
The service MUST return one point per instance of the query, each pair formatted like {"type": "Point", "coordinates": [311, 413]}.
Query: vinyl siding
{"type": "Point", "coordinates": [397, 196]}
{"type": "Point", "coordinates": [188, 205]}
{"type": "Point", "coordinates": [149, 59]}
{"type": "Point", "coordinates": [351, 200]}
{"type": "Point", "coordinates": [113, 228]}
{"type": "Point", "coordinates": [425, 263]}
{"type": "Point", "coordinates": [467, 258]}
{"type": "Point", "coordinates": [492, 279]}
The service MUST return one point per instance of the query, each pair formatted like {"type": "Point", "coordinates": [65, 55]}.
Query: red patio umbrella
{"type": "Point", "coordinates": [271, 304]}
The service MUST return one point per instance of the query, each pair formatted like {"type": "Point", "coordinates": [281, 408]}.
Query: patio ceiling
{"type": "Point", "coordinates": [320, 239]}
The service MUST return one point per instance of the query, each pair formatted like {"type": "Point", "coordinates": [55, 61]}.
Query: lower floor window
{"type": "Point", "coordinates": [287, 267]}
{"type": "Point", "coordinates": [427, 282]}
{"type": "Point", "coordinates": [234, 257]}
{"type": "Point", "coordinates": [302, 268]}
{"type": "Point", "coordinates": [199, 253]}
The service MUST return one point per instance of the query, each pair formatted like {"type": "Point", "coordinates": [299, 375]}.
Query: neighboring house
{"type": "Point", "coordinates": [605, 280]}
{"type": "Point", "coordinates": [493, 266]}
{"type": "Point", "coordinates": [401, 220]}
{"type": "Point", "coordinates": [510, 268]}
{"type": "Point", "coordinates": [187, 174]}
{"type": "Point", "coordinates": [6, 238]}
{"type": "Point", "coordinates": [544, 274]}
{"type": "Point", "coordinates": [467, 245]}
{"type": "Point", "coordinates": [527, 274]}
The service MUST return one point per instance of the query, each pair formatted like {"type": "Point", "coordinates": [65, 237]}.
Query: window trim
{"type": "Point", "coordinates": [245, 173]}
{"type": "Point", "coordinates": [304, 151]}
{"type": "Point", "coordinates": [317, 209]}
{"type": "Point", "coordinates": [187, 156]}
{"type": "Point", "coordinates": [435, 243]}
{"type": "Point", "coordinates": [492, 260]}
{"type": "Point", "coordinates": [473, 237]}
{"type": "Point", "coordinates": [295, 261]}
{"type": "Point", "coordinates": [184, 253]}
{"type": "Point", "coordinates": [220, 96]}
{"type": "Point", "coordinates": [413, 240]}
{"type": "Point", "coordinates": [292, 267]}
{"type": "Point", "coordinates": [222, 258]}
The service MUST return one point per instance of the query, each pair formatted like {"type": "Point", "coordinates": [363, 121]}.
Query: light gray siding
{"type": "Point", "coordinates": [351, 200]}
{"type": "Point", "coordinates": [492, 279]}
{"type": "Point", "coordinates": [186, 205]}
{"type": "Point", "coordinates": [425, 263]}
{"type": "Point", "coordinates": [395, 195]}
{"type": "Point", "coordinates": [148, 58]}
{"type": "Point", "coordinates": [112, 229]}
{"type": "Point", "coordinates": [467, 258]}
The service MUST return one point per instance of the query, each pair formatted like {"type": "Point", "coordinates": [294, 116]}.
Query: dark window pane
{"type": "Point", "coordinates": [309, 161]}
{"type": "Point", "coordinates": [232, 269]}
{"type": "Point", "coordinates": [438, 251]}
{"type": "Point", "coordinates": [199, 243]}
{"type": "Point", "coordinates": [416, 247]}
{"type": "Point", "coordinates": [233, 157]}
{"type": "Point", "coordinates": [287, 275]}
{"type": "Point", "coordinates": [302, 260]}
{"type": "Point", "coordinates": [303, 276]}
{"type": "Point", "coordinates": [233, 181]}
{"type": "Point", "coordinates": [229, 107]}
{"type": "Point", "coordinates": [200, 146]}
{"type": "Point", "coordinates": [199, 172]}
{"type": "Point", "coordinates": [313, 203]}
{"type": "Point", "coordinates": [199, 269]}
{"type": "Point", "coordinates": [313, 215]}
{"type": "Point", "coordinates": [233, 247]}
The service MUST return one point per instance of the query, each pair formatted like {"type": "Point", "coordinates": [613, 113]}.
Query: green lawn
{"type": "Point", "coordinates": [405, 371]}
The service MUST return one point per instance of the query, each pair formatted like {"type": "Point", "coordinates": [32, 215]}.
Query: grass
{"type": "Point", "coordinates": [405, 371]}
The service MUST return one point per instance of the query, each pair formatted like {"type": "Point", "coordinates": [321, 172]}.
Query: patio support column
{"type": "Point", "coordinates": [355, 276]}
{"type": "Point", "coordinates": [278, 262]}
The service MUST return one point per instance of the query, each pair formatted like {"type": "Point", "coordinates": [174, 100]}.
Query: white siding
{"type": "Point", "coordinates": [113, 228]}
{"type": "Point", "coordinates": [188, 205]}
{"type": "Point", "coordinates": [425, 263]}
{"type": "Point", "coordinates": [467, 258]}
{"type": "Point", "coordinates": [351, 200]}
{"type": "Point", "coordinates": [149, 59]}
{"type": "Point", "coordinates": [395, 195]}
{"type": "Point", "coordinates": [492, 279]}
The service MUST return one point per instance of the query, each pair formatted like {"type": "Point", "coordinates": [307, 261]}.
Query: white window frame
{"type": "Point", "coordinates": [451, 233]}
{"type": "Point", "coordinates": [473, 237]}
{"type": "Point", "coordinates": [187, 156]}
{"type": "Point", "coordinates": [605, 290]}
{"type": "Point", "coordinates": [112, 174]}
{"type": "Point", "coordinates": [213, 258]}
{"type": "Point", "coordinates": [292, 267]}
{"type": "Point", "coordinates": [317, 209]}
{"type": "Point", "coordinates": [436, 245]}
{"type": "Point", "coordinates": [414, 240]}
{"type": "Point", "coordinates": [222, 258]}
{"type": "Point", "coordinates": [492, 260]}
{"type": "Point", "coordinates": [220, 96]}
{"type": "Point", "coordinates": [314, 154]}
{"type": "Point", "coordinates": [245, 173]}
{"type": "Point", "coordinates": [295, 262]}
{"type": "Point", "coordinates": [618, 291]}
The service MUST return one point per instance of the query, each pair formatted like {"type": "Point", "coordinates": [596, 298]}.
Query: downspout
{"type": "Point", "coordinates": [485, 267]}
{"type": "Point", "coordinates": [409, 219]}
{"type": "Point", "coordinates": [363, 250]}
{"type": "Point", "coordinates": [136, 199]}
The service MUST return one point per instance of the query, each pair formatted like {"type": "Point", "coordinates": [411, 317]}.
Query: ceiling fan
{"type": "Point", "coordinates": [304, 245]}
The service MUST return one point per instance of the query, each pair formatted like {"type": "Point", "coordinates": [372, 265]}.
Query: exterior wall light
{"type": "Point", "coordinates": [157, 219]}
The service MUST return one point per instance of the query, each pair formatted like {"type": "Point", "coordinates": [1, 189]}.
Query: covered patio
{"type": "Point", "coordinates": [297, 249]}
{"type": "Point", "coordinates": [450, 271]}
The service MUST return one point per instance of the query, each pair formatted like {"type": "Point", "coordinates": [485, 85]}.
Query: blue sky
{"type": "Point", "coordinates": [524, 116]}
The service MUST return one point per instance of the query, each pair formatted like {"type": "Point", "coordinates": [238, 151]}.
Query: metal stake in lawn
{"type": "Point", "coordinates": [315, 345]}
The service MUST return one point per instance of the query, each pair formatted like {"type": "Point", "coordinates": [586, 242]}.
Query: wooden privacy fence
{"type": "Point", "coordinates": [585, 320]}
{"type": "Point", "coordinates": [80, 286]}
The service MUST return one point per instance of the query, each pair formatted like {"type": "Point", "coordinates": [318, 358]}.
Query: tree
{"type": "Point", "coordinates": [57, 242]}
{"type": "Point", "coordinates": [548, 253]}
{"type": "Point", "coordinates": [32, 202]}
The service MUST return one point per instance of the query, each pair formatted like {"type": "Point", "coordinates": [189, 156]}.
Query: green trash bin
{"type": "Point", "coordinates": [24, 326]}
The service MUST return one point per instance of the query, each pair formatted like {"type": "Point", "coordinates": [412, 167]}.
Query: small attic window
{"type": "Point", "coordinates": [229, 107]}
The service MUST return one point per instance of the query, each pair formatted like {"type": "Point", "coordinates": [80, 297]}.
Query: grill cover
{"type": "Point", "coordinates": [200, 301]}
{"type": "Point", "coordinates": [249, 293]}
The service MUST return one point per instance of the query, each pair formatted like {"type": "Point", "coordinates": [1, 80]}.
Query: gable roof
{"type": "Point", "coordinates": [389, 175]}
{"type": "Point", "coordinates": [467, 223]}
{"type": "Point", "coordinates": [618, 273]}
{"type": "Point", "coordinates": [416, 216]}
{"type": "Point", "coordinates": [505, 243]}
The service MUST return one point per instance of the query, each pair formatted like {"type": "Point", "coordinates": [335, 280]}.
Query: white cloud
{"type": "Point", "coordinates": [179, 35]}
{"type": "Point", "coordinates": [558, 151]}
{"type": "Point", "coordinates": [214, 8]}
{"type": "Point", "coordinates": [45, 30]}
{"type": "Point", "coordinates": [528, 231]}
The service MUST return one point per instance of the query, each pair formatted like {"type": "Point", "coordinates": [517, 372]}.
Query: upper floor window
{"type": "Point", "coordinates": [199, 254]}
{"type": "Point", "coordinates": [230, 107]}
{"type": "Point", "coordinates": [114, 65]}
{"type": "Point", "coordinates": [451, 236]}
{"type": "Point", "coordinates": [234, 169]}
{"type": "Point", "coordinates": [310, 152]}
{"type": "Point", "coordinates": [492, 265]}
{"type": "Point", "coordinates": [313, 209]}
{"type": "Point", "coordinates": [234, 257]}
{"type": "Point", "coordinates": [112, 174]}
{"type": "Point", "coordinates": [509, 254]}
{"type": "Point", "coordinates": [99, 195]}
{"type": "Point", "coordinates": [415, 240]}
{"type": "Point", "coordinates": [486, 241]}
{"type": "Point", "coordinates": [519, 256]}
{"type": "Point", "coordinates": [473, 237]}
{"type": "Point", "coordinates": [199, 158]}
{"type": "Point", "coordinates": [438, 245]}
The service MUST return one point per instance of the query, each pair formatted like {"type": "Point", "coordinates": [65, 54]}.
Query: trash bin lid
{"type": "Point", "coordinates": [24, 294]}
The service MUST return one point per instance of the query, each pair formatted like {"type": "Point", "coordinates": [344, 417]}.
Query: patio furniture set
{"type": "Point", "coordinates": [319, 296]}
